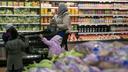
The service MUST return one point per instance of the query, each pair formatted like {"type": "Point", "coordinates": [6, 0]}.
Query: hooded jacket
{"type": "Point", "coordinates": [54, 44]}
{"type": "Point", "coordinates": [14, 50]}
{"type": "Point", "coordinates": [62, 18]}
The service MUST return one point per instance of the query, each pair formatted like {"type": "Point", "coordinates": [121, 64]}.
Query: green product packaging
{"type": "Point", "coordinates": [10, 3]}
{"type": "Point", "coordinates": [9, 12]}
{"type": "Point", "coordinates": [45, 27]}
{"type": "Point", "coordinates": [4, 3]}
{"type": "Point", "coordinates": [28, 27]}
{"type": "Point", "coordinates": [42, 28]}
{"type": "Point", "coordinates": [27, 3]}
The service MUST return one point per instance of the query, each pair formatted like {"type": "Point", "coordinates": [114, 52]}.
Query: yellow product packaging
{"type": "Point", "coordinates": [21, 3]}
{"type": "Point", "coordinates": [76, 11]}
{"type": "Point", "coordinates": [15, 3]}
{"type": "Point", "coordinates": [69, 11]}
{"type": "Point", "coordinates": [35, 3]}
{"type": "Point", "coordinates": [42, 11]}
{"type": "Point", "coordinates": [45, 11]}
{"type": "Point", "coordinates": [73, 11]}
{"type": "Point", "coordinates": [42, 20]}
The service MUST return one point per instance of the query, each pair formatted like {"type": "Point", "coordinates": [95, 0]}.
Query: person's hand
{"type": "Point", "coordinates": [52, 21]}
{"type": "Point", "coordinates": [41, 36]}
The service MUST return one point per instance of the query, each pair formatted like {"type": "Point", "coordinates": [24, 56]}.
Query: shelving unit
{"type": "Point", "coordinates": [98, 33]}
{"type": "Point", "coordinates": [18, 15]}
{"type": "Point", "coordinates": [107, 16]}
{"type": "Point", "coordinates": [20, 7]}
{"type": "Point", "coordinates": [25, 14]}
{"type": "Point", "coordinates": [92, 15]}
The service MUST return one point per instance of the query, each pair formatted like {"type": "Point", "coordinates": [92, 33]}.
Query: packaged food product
{"type": "Point", "coordinates": [21, 3]}
{"type": "Point", "coordinates": [0, 3]}
{"type": "Point", "coordinates": [15, 3]}
{"type": "Point", "coordinates": [4, 3]}
{"type": "Point", "coordinates": [10, 3]}
{"type": "Point", "coordinates": [27, 3]}
{"type": "Point", "coordinates": [45, 11]}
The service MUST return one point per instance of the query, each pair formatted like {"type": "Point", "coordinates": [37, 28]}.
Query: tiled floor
{"type": "Point", "coordinates": [2, 69]}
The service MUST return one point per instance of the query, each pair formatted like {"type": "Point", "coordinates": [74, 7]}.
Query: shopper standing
{"type": "Point", "coordinates": [14, 48]}
{"type": "Point", "coordinates": [54, 44]}
{"type": "Point", "coordinates": [63, 22]}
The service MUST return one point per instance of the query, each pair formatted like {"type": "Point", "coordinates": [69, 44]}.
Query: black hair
{"type": "Point", "coordinates": [13, 32]}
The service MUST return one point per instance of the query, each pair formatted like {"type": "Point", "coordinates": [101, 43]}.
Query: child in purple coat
{"type": "Point", "coordinates": [54, 43]}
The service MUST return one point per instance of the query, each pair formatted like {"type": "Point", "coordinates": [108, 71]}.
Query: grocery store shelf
{"type": "Point", "coordinates": [123, 32]}
{"type": "Point", "coordinates": [82, 0]}
{"type": "Point", "coordinates": [119, 24]}
{"type": "Point", "coordinates": [122, 8]}
{"type": "Point", "coordinates": [73, 14]}
{"type": "Point", "coordinates": [74, 31]}
{"type": "Point", "coordinates": [18, 15]}
{"type": "Point", "coordinates": [73, 23]}
{"type": "Point", "coordinates": [18, 7]}
{"type": "Point", "coordinates": [57, 7]}
{"type": "Point", "coordinates": [44, 23]}
{"type": "Point", "coordinates": [120, 1]}
{"type": "Point", "coordinates": [125, 15]}
{"type": "Point", "coordinates": [94, 8]}
{"type": "Point", "coordinates": [29, 31]}
{"type": "Point", "coordinates": [46, 15]}
{"type": "Point", "coordinates": [17, 23]}
{"type": "Point", "coordinates": [84, 23]}
{"type": "Point", "coordinates": [91, 0]}
{"type": "Point", "coordinates": [52, 15]}
{"type": "Point", "coordinates": [42, 7]}
{"type": "Point", "coordinates": [83, 15]}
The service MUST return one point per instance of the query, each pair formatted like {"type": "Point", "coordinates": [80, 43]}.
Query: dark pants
{"type": "Point", "coordinates": [65, 41]}
{"type": "Point", "coordinates": [18, 70]}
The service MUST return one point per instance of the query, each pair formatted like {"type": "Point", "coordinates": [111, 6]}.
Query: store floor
{"type": "Point", "coordinates": [2, 69]}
